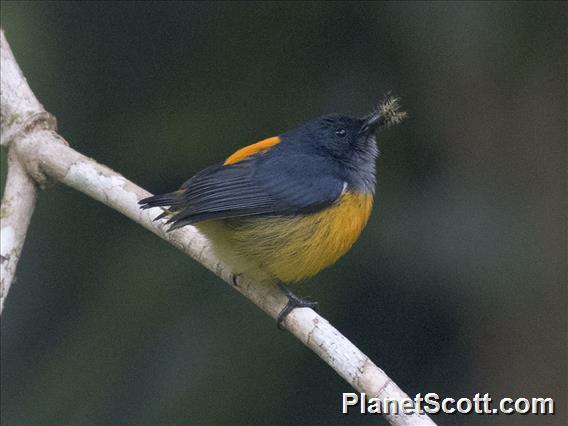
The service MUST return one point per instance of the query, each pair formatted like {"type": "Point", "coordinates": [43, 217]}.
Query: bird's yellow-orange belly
{"type": "Point", "coordinates": [290, 248]}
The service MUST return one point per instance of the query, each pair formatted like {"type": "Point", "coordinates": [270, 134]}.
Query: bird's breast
{"type": "Point", "coordinates": [292, 248]}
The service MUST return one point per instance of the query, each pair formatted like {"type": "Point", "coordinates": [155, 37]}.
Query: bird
{"type": "Point", "coordinates": [283, 209]}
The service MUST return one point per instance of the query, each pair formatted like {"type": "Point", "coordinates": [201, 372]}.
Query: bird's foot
{"type": "Point", "coordinates": [293, 303]}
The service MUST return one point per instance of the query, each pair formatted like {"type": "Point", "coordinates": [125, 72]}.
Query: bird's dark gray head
{"type": "Point", "coordinates": [349, 144]}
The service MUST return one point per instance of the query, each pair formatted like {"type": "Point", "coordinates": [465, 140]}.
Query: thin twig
{"type": "Point", "coordinates": [43, 151]}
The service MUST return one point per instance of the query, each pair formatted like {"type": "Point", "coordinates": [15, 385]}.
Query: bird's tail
{"type": "Point", "coordinates": [160, 200]}
{"type": "Point", "coordinates": [170, 199]}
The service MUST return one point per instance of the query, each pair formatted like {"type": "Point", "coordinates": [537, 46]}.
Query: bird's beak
{"type": "Point", "coordinates": [371, 122]}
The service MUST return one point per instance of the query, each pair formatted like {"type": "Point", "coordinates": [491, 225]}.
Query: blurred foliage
{"type": "Point", "coordinates": [457, 286]}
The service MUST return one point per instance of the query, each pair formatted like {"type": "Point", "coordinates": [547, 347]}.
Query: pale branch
{"type": "Point", "coordinates": [18, 204]}
{"type": "Point", "coordinates": [18, 103]}
{"type": "Point", "coordinates": [42, 151]}
{"type": "Point", "coordinates": [19, 111]}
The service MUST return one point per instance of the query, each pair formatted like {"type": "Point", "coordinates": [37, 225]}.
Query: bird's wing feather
{"type": "Point", "coordinates": [260, 185]}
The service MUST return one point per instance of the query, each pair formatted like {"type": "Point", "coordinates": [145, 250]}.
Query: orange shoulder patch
{"type": "Point", "coordinates": [247, 151]}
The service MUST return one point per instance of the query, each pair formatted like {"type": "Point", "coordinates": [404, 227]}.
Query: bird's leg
{"type": "Point", "coordinates": [293, 303]}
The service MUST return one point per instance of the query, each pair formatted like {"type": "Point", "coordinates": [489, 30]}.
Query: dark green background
{"type": "Point", "coordinates": [457, 286]}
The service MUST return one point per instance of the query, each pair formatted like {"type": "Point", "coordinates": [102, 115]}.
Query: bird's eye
{"type": "Point", "coordinates": [340, 132]}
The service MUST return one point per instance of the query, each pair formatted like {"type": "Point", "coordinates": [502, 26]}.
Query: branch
{"type": "Point", "coordinates": [42, 151]}
{"type": "Point", "coordinates": [19, 112]}
{"type": "Point", "coordinates": [18, 205]}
